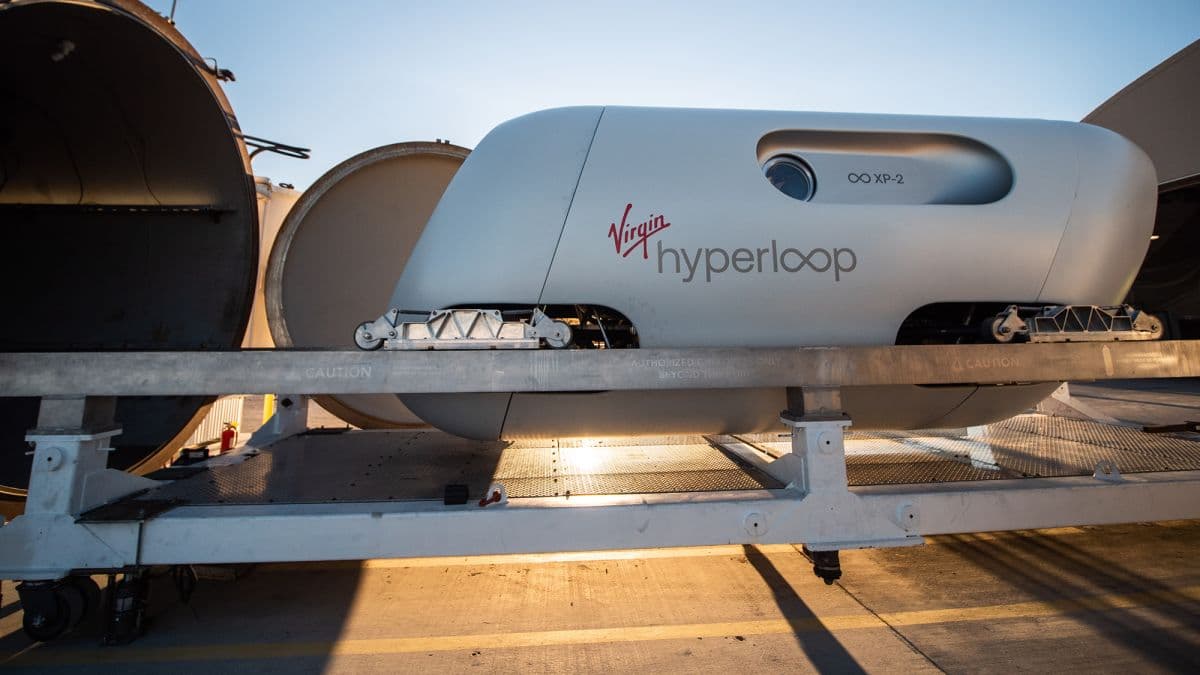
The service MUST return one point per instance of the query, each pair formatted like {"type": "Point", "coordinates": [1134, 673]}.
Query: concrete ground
{"type": "Point", "coordinates": [1111, 599]}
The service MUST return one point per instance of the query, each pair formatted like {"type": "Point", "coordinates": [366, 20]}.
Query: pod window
{"type": "Point", "coordinates": [792, 176]}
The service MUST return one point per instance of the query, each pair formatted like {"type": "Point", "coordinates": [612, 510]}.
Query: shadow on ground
{"type": "Point", "coordinates": [1052, 568]}
{"type": "Point", "coordinates": [822, 648]}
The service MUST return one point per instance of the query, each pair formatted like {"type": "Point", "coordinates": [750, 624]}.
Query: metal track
{"type": "Point", "coordinates": [357, 372]}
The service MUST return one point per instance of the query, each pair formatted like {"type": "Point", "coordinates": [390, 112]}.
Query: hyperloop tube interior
{"type": "Point", "coordinates": [335, 258]}
{"type": "Point", "coordinates": [127, 203]}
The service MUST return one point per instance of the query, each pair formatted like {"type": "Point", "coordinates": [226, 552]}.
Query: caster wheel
{"type": "Point", "coordinates": [999, 332]}
{"type": "Point", "coordinates": [92, 597]}
{"type": "Point", "coordinates": [73, 597]}
{"type": "Point", "coordinates": [560, 335]}
{"type": "Point", "coordinates": [51, 621]}
{"type": "Point", "coordinates": [826, 564]}
{"type": "Point", "coordinates": [364, 340]}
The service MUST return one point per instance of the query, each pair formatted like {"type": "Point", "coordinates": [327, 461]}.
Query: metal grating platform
{"type": "Point", "coordinates": [619, 468]}
{"type": "Point", "coordinates": [1025, 446]}
{"type": "Point", "coordinates": [895, 458]}
{"type": "Point", "coordinates": [416, 465]}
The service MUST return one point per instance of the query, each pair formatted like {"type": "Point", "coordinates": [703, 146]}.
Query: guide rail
{"type": "Point", "coordinates": [358, 372]}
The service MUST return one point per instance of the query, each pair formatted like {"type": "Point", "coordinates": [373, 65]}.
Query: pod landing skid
{"type": "Point", "coordinates": [456, 329]}
{"type": "Point", "coordinates": [1073, 323]}
{"type": "Point", "coordinates": [462, 329]}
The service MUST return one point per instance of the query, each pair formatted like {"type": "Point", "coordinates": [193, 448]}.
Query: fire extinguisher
{"type": "Point", "coordinates": [228, 436]}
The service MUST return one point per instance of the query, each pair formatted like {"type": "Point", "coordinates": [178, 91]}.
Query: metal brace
{"type": "Point", "coordinates": [462, 329]}
{"type": "Point", "coordinates": [1107, 471]}
{"type": "Point", "coordinates": [817, 467]}
{"type": "Point", "coordinates": [1073, 323]}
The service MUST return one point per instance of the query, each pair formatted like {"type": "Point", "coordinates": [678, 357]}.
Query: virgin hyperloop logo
{"type": "Point", "coordinates": [702, 263]}
{"type": "Point", "coordinates": [627, 237]}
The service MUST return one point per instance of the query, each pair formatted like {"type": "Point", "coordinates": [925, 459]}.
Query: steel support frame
{"type": "Point", "coordinates": [866, 517]}
{"type": "Point", "coordinates": [445, 372]}
{"type": "Point", "coordinates": [892, 516]}
{"type": "Point", "coordinates": [70, 475]}
{"type": "Point", "coordinates": [816, 508]}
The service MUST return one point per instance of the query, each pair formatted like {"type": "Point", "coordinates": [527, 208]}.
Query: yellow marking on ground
{"type": "Point", "coordinates": [381, 646]}
{"type": "Point", "coordinates": [1041, 608]}
{"type": "Point", "coordinates": [377, 646]}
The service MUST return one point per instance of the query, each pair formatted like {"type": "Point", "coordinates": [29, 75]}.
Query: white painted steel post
{"type": "Point", "coordinates": [70, 463]}
{"type": "Point", "coordinates": [817, 464]}
{"type": "Point", "coordinates": [62, 465]}
{"type": "Point", "coordinates": [70, 476]}
{"type": "Point", "coordinates": [818, 440]}
{"type": "Point", "coordinates": [820, 448]}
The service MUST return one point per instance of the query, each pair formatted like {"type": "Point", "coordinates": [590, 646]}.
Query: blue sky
{"type": "Point", "coordinates": [343, 77]}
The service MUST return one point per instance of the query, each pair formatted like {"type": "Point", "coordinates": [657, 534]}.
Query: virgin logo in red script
{"type": "Point", "coordinates": [627, 237]}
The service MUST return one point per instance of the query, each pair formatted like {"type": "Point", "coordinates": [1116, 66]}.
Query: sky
{"type": "Point", "coordinates": [345, 76]}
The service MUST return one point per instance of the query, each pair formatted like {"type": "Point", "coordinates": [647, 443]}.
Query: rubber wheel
{"type": "Point", "coordinates": [562, 336]}
{"type": "Point", "coordinates": [50, 627]}
{"type": "Point", "coordinates": [92, 597]}
{"type": "Point", "coordinates": [75, 600]}
{"type": "Point", "coordinates": [1002, 338]}
{"type": "Point", "coordinates": [363, 343]}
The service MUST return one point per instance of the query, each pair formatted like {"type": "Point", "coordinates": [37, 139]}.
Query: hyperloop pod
{"type": "Point", "coordinates": [644, 227]}
{"type": "Point", "coordinates": [128, 205]}
{"type": "Point", "coordinates": [335, 256]}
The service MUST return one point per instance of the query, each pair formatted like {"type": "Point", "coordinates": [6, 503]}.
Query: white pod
{"type": "Point", "coordinates": [721, 228]}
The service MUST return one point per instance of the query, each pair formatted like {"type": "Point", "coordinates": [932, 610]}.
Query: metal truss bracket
{"type": "Point", "coordinates": [1062, 404]}
{"type": "Point", "coordinates": [461, 329]}
{"type": "Point", "coordinates": [1107, 471]}
{"type": "Point", "coordinates": [290, 419]}
{"type": "Point", "coordinates": [1074, 323]}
